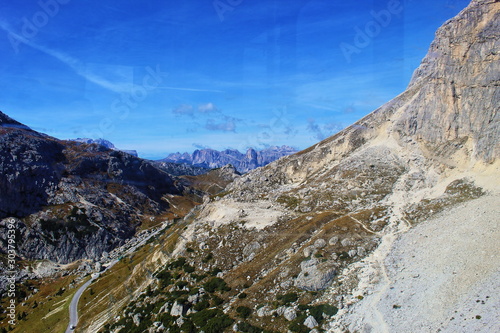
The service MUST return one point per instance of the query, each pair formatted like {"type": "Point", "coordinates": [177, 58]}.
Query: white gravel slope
{"type": "Point", "coordinates": [443, 275]}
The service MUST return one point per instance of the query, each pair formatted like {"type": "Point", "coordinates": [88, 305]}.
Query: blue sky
{"type": "Point", "coordinates": [167, 76]}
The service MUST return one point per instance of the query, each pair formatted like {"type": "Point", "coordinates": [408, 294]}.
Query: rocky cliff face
{"type": "Point", "coordinates": [73, 200]}
{"type": "Point", "coordinates": [209, 158]}
{"type": "Point", "coordinates": [317, 226]}
{"type": "Point", "coordinates": [461, 73]}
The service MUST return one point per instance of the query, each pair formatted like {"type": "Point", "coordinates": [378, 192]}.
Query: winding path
{"type": "Point", "coordinates": [73, 308]}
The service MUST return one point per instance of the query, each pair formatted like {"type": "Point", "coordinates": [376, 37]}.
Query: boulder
{"type": "Point", "coordinates": [177, 310]}
{"type": "Point", "coordinates": [290, 314]}
{"type": "Point", "coordinates": [314, 276]}
{"type": "Point", "coordinates": [310, 322]}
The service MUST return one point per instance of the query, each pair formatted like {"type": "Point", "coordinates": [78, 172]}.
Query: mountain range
{"type": "Point", "coordinates": [391, 225]}
{"type": "Point", "coordinates": [209, 158]}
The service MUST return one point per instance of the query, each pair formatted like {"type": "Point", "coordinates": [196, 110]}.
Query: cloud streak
{"type": "Point", "coordinates": [73, 63]}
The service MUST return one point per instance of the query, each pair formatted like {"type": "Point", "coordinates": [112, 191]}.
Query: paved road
{"type": "Point", "coordinates": [73, 307]}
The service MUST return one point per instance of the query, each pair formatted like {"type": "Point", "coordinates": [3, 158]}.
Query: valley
{"type": "Point", "coordinates": [390, 225]}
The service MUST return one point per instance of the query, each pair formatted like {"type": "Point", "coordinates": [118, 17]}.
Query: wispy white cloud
{"type": "Point", "coordinates": [77, 66]}
{"type": "Point", "coordinates": [207, 108]}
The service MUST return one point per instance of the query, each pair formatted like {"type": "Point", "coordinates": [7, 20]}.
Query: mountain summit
{"type": "Point", "coordinates": [6, 122]}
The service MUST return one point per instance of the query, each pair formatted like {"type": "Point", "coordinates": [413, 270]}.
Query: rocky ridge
{"type": "Point", "coordinates": [209, 158]}
{"type": "Point", "coordinates": [75, 200]}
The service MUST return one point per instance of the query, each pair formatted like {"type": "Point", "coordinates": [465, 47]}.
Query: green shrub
{"type": "Point", "coordinates": [242, 295]}
{"type": "Point", "coordinates": [317, 311]}
{"type": "Point", "coordinates": [247, 328]}
{"type": "Point", "coordinates": [218, 324]}
{"type": "Point", "coordinates": [217, 300]}
{"type": "Point", "coordinates": [201, 318]}
{"type": "Point", "coordinates": [244, 311]}
{"type": "Point", "coordinates": [178, 294]}
{"type": "Point", "coordinates": [165, 278]}
{"type": "Point", "coordinates": [188, 327]}
{"type": "Point", "coordinates": [297, 324]}
{"type": "Point", "coordinates": [179, 263]}
{"type": "Point", "coordinates": [209, 257]}
{"type": "Point", "coordinates": [198, 277]}
{"type": "Point", "coordinates": [194, 291]}
{"type": "Point", "coordinates": [181, 284]}
{"type": "Point", "coordinates": [343, 255]}
{"type": "Point", "coordinates": [216, 284]}
{"type": "Point", "coordinates": [205, 304]}
{"type": "Point", "coordinates": [287, 298]}
{"type": "Point", "coordinates": [188, 268]}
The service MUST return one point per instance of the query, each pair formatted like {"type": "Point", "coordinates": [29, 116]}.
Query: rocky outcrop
{"type": "Point", "coordinates": [74, 200]}
{"type": "Point", "coordinates": [447, 117]}
{"type": "Point", "coordinates": [31, 167]}
{"type": "Point", "coordinates": [209, 158]}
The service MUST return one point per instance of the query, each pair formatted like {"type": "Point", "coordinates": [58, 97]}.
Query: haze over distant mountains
{"type": "Point", "coordinates": [210, 158]}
